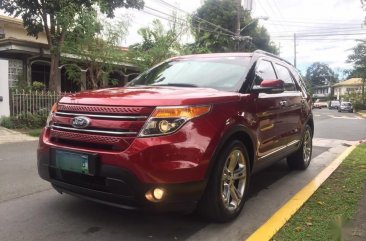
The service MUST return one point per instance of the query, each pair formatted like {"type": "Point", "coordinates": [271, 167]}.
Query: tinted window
{"type": "Point", "coordinates": [264, 71]}
{"type": "Point", "coordinates": [284, 74]}
{"type": "Point", "coordinates": [224, 73]}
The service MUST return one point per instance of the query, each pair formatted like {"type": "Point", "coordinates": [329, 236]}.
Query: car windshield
{"type": "Point", "coordinates": [346, 104]}
{"type": "Point", "coordinates": [223, 73]}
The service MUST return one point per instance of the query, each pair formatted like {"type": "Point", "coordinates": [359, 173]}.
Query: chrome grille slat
{"type": "Point", "coordinates": [94, 131]}
{"type": "Point", "coordinates": [101, 116]}
{"type": "Point", "coordinates": [104, 109]}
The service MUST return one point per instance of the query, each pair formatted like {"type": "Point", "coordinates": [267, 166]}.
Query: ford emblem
{"type": "Point", "coordinates": [80, 122]}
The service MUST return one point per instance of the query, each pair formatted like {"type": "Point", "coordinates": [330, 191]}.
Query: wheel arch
{"type": "Point", "coordinates": [240, 133]}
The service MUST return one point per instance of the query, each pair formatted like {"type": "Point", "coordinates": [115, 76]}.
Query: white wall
{"type": "Point", "coordinates": [4, 88]}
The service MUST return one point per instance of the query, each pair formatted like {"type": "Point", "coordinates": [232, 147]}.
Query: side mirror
{"type": "Point", "coordinates": [269, 87]}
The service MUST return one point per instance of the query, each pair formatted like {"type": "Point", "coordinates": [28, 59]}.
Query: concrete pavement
{"type": "Point", "coordinates": [7, 136]}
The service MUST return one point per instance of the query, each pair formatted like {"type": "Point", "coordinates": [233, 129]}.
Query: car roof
{"type": "Point", "coordinates": [213, 55]}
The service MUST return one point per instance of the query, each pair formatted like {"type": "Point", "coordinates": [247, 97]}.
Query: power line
{"type": "Point", "coordinates": [325, 35]}
{"type": "Point", "coordinates": [195, 17]}
{"type": "Point", "coordinates": [314, 22]}
{"type": "Point", "coordinates": [180, 23]}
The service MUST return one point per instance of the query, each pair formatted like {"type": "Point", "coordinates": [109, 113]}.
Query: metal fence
{"type": "Point", "coordinates": [32, 102]}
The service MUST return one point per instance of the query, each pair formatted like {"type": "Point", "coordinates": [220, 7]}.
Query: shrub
{"type": "Point", "coordinates": [36, 85]}
{"type": "Point", "coordinates": [359, 106]}
{"type": "Point", "coordinates": [24, 121]}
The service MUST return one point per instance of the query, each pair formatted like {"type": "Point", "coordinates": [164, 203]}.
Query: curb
{"type": "Point", "coordinates": [279, 218]}
{"type": "Point", "coordinates": [363, 114]}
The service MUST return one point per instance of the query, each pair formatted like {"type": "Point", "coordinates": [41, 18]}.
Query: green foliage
{"type": "Point", "coordinates": [22, 84]}
{"type": "Point", "coordinates": [158, 44]}
{"type": "Point", "coordinates": [96, 45]}
{"type": "Point", "coordinates": [358, 59]}
{"type": "Point", "coordinates": [24, 121]}
{"type": "Point", "coordinates": [224, 13]}
{"type": "Point", "coordinates": [36, 85]}
{"type": "Point", "coordinates": [319, 74]}
{"type": "Point", "coordinates": [58, 18]}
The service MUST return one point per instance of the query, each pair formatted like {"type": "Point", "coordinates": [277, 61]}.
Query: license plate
{"type": "Point", "coordinates": [73, 162]}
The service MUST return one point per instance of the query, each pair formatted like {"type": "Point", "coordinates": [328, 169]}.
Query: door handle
{"type": "Point", "coordinates": [283, 103]}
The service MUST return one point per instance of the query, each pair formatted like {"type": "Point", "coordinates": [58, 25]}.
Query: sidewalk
{"type": "Point", "coordinates": [362, 113]}
{"type": "Point", "coordinates": [7, 136]}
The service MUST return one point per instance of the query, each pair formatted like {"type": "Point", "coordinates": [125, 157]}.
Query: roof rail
{"type": "Point", "coordinates": [258, 51]}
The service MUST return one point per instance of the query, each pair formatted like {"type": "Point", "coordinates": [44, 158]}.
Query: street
{"type": "Point", "coordinates": [31, 210]}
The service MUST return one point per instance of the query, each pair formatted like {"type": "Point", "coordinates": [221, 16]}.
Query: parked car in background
{"type": "Point", "coordinates": [345, 106]}
{"type": "Point", "coordinates": [188, 133]}
{"type": "Point", "coordinates": [334, 104]}
{"type": "Point", "coordinates": [319, 104]}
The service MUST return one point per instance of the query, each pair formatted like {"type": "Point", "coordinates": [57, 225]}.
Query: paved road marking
{"type": "Point", "coordinates": [346, 117]}
{"type": "Point", "coordinates": [275, 223]}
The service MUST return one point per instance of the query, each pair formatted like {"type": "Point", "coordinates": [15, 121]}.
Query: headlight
{"type": "Point", "coordinates": [50, 115]}
{"type": "Point", "coordinates": [166, 120]}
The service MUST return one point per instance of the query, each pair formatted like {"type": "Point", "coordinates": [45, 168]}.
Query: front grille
{"type": "Point", "coordinates": [104, 109]}
{"type": "Point", "coordinates": [111, 127]}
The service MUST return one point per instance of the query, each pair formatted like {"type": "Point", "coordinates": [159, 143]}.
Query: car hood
{"type": "Point", "coordinates": [151, 96]}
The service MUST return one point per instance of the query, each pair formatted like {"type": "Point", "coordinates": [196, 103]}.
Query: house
{"type": "Point", "coordinates": [322, 92]}
{"type": "Point", "coordinates": [29, 58]}
{"type": "Point", "coordinates": [353, 85]}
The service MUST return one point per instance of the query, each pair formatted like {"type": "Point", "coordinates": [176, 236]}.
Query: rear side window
{"type": "Point", "coordinates": [264, 71]}
{"type": "Point", "coordinates": [284, 75]}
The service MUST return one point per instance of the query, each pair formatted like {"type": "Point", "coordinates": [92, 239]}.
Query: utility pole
{"type": "Point", "coordinates": [279, 49]}
{"type": "Point", "coordinates": [238, 18]}
{"type": "Point", "coordinates": [295, 50]}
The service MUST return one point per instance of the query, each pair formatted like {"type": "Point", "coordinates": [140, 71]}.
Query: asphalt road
{"type": "Point", "coordinates": [331, 124]}
{"type": "Point", "coordinates": [31, 210]}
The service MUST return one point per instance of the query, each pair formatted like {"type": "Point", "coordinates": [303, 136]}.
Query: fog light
{"type": "Point", "coordinates": [155, 195]}
{"type": "Point", "coordinates": [158, 193]}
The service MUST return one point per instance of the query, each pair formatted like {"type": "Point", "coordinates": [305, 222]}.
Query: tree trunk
{"type": "Point", "coordinates": [363, 90]}
{"type": "Point", "coordinates": [93, 79]}
{"type": "Point", "coordinates": [54, 81]}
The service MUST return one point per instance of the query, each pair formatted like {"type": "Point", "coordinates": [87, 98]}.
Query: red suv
{"type": "Point", "coordinates": [186, 134]}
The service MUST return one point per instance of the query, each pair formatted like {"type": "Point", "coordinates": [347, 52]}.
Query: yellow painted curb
{"type": "Point", "coordinates": [275, 223]}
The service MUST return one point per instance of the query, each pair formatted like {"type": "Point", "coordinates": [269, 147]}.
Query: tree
{"type": "Point", "coordinates": [57, 18]}
{"type": "Point", "coordinates": [158, 44]}
{"type": "Point", "coordinates": [319, 74]}
{"type": "Point", "coordinates": [95, 45]}
{"type": "Point", "coordinates": [223, 14]}
{"type": "Point", "coordinates": [358, 59]}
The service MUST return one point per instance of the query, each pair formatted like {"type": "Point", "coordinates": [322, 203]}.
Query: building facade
{"type": "Point", "coordinates": [349, 86]}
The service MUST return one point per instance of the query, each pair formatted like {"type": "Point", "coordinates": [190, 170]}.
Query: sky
{"type": "Point", "coordinates": [333, 26]}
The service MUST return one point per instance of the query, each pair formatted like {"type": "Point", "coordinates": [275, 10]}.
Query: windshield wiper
{"type": "Point", "coordinates": [177, 85]}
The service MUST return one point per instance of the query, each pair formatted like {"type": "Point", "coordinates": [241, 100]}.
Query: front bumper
{"type": "Point", "coordinates": [176, 163]}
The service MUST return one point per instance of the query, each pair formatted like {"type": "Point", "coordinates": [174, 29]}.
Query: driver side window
{"type": "Point", "coordinates": [264, 71]}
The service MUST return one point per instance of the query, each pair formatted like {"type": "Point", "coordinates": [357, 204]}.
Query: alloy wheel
{"type": "Point", "coordinates": [307, 147]}
{"type": "Point", "coordinates": [233, 180]}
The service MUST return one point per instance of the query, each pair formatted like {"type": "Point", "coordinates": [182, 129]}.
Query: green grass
{"type": "Point", "coordinates": [324, 215]}
{"type": "Point", "coordinates": [34, 132]}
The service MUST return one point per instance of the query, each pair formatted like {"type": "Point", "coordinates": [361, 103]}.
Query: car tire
{"type": "Point", "coordinates": [226, 193]}
{"type": "Point", "coordinates": [300, 159]}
